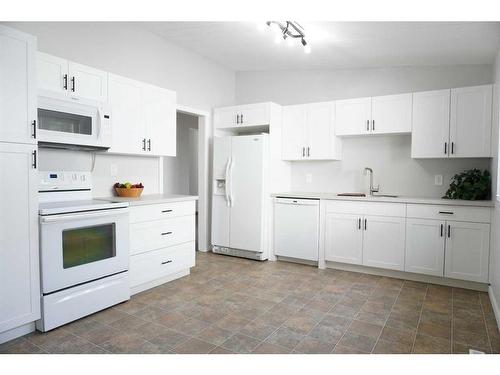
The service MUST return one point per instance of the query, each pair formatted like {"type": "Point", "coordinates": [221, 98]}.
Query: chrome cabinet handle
{"type": "Point", "coordinates": [237, 119]}
{"type": "Point", "coordinates": [165, 211]}
{"type": "Point", "coordinates": [445, 148]}
{"type": "Point", "coordinates": [241, 118]}
{"type": "Point", "coordinates": [149, 144]}
{"type": "Point", "coordinates": [65, 81]}
{"type": "Point", "coordinates": [367, 125]}
{"type": "Point", "coordinates": [442, 230]}
{"type": "Point", "coordinates": [144, 144]}
{"type": "Point", "coordinates": [373, 125]}
{"type": "Point", "coordinates": [308, 151]}
{"type": "Point", "coordinates": [446, 212]}
{"type": "Point", "coordinates": [449, 231]}
{"type": "Point", "coordinates": [33, 123]}
{"type": "Point", "coordinates": [73, 84]}
{"type": "Point", "coordinates": [365, 224]}
{"type": "Point", "coordinates": [359, 224]}
{"type": "Point", "coordinates": [166, 262]}
{"type": "Point", "coordinates": [303, 151]}
{"type": "Point", "coordinates": [452, 147]}
{"type": "Point", "coordinates": [166, 233]}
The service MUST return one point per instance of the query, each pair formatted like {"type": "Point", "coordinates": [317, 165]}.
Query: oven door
{"type": "Point", "coordinates": [79, 247]}
{"type": "Point", "coordinates": [62, 122]}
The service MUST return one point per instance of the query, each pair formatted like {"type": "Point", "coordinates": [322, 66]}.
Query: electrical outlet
{"type": "Point", "coordinates": [438, 179]}
{"type": "Point", "coordinates": [113, 170]}
{"type": "Point", "coordinates": [309, 178]}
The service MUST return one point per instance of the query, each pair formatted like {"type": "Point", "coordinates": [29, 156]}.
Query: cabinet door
{"type": "Point", "coordinates": [425, 246]}
{"type": "Point", "coordinates": [467, 251]}
{"type": "Point", "coordinates": [129, 132]}
{"type": "Point", "coordinates": [343, 238]}
{"type": "Point", "coordinates": [384, 242]}
{"type": "Point", "coordinates": [19, 274]}
{"type": "Point", "coordinates": [293, 132]}
{"type": "Point", "coordinates": [320, 137]}
{"type": "Point", "coordinates": [17, 86]}
{"type": "Point", "coordinates": [159, 109]}
{"type": "Point", "coordinates": [431, 124]}
{"type": "Point", "coordinates": [353, 116]}
{"type": "Point", "coordinates": [470, 121]}
{"type": "Point", "coordinates": [255, 115]}
{"type": "Point", "coordinates": [87, 83]}
{"type": "Point", "coordinates": [391, 114]}
{"type": "Point", "coordinates": [52, 73]}
{"type": "Point", "coordinates": [226, 117]}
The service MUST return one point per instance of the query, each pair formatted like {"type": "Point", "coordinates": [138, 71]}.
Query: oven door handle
{"type": "Point", "coordinates": [83, 215]}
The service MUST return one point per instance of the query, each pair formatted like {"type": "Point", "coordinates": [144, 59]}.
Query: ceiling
{"type": "Point", "coordinates": [242, 47]}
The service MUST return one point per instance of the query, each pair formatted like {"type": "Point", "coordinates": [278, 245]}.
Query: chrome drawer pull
{"type": "Point", "coordinates": [446, 212]}
{"type": "Point", "coordinates": [164, 211]}
{"type": "Point", "coordinates": [165, 233]}
{"type": "Point", "coordinates": [166, 262]}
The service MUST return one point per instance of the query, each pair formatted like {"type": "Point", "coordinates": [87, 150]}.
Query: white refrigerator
{"type": "Point", "coordinates": [240, 200]}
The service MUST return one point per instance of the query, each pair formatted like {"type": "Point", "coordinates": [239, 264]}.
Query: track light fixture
{"type": "Point", "coordinates": [289, 30]}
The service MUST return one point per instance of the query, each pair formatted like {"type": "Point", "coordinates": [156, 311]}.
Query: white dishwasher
{"type": "Point", "coordinates": [296, 228]}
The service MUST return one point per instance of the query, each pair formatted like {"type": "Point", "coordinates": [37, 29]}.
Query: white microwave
{"type": "Point", "coordinates": [63, 123]}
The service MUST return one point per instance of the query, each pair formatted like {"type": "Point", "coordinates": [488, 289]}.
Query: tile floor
{"type": "Point", "coordinates": [231, 305]}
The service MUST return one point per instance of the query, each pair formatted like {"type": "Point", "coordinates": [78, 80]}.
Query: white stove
{"type": "Point", "coordinates": [84, 249]}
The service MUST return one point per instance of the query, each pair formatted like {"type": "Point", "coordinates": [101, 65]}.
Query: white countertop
{"type": "Point", "coordinates": [151, 199]}
{"type": "Point", "coordinates": [399, 199]}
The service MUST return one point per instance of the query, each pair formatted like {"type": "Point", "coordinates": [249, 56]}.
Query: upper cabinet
{"type": "Point", "coordinates": [452, 123]}
{"type": "Point", "coordinates": [143, 118]}
{"type": "Point", "coordinates": [240, 116]}
{"type": "Point", "coordinates": [374, 115]}
{"type": "Point", "coordinates": [17, 86]}
{"type": "Point", "coordinates": [63, 77]}
{"type": "Point", "coordinates": [308, 132]}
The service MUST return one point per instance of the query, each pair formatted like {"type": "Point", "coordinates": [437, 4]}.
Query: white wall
{"type": "Point", "coordinates": [495, 226]}
{"type": "Point", "coordinates": [389, 156]}
{"type": "Point", "coordinates": [126, 49]}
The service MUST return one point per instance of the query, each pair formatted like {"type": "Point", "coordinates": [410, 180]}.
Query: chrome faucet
{"type": "Point", "coordinates": [372, 188]}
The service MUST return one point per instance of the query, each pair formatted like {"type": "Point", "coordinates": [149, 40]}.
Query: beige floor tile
{"type": "Point", "coordinates": [364, 328]}
{"type": "Point", "coordinates": [240, 343]}
{"type": "Point", "coordinates": [391, 347]}
{"type": "Point", "coordinates": [311, 345]}
{"type": "Point", "coordinates": [358, 341]}
{"type": "Point", "coordinates": [214, 335]}
{"type": "Point", "coordinates": [431, 345]}
{"type": "Point", "coordinates": [339, 349]}
{"type": "Point", "coordinates": [194, 346]}
{"type": "Point", "coordinates": [285, 337]}
{"type": "Point", "coordinates": [268, 348]}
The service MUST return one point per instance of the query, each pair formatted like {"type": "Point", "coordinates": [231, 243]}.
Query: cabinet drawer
{"type": "Point", "coordinates": [161, 211]}
{"type": "Point", "coordinates": [366, 208]}
{"type": "Point", "coordinates": [152, 235]}
{"type": "Point", "coordinates": [454, 213]}
{"type": "Point", "coordinates": [155, 264]}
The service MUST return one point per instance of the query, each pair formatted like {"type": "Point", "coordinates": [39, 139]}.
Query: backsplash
{"type": "Point", "coordinates": [134, 169]}
{"type": "Point", "coordinates": [393, 167]}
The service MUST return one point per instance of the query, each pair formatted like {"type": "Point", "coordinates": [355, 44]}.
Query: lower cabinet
{"type": "Point", "coordinates": [343, 238]}
{"type": "Point", "coordinates": [384, 242]}
{"type": "Point", "coordinates": [425, 241]}
{"type": "Point", "coordinates": [162, 243]}
{"type": "Point", "coordinates": [467, 251]}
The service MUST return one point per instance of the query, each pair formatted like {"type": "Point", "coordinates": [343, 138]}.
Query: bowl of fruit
{"type": "Point", "coordinates": [129, 190]}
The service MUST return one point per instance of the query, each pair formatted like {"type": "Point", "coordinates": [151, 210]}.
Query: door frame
{"type": "Point", "coordinates": [204, 136]}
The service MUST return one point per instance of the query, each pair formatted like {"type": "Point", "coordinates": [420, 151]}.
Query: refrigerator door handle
{"type": "Point", "coordinates": [226, 187]}
{"type": "Point", "coordinates": [231, 198]}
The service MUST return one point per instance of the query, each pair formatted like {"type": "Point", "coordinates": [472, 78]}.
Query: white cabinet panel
{"type": "Point", "coordinates": [126, 115]}
{"type": "Point", "coordinates": [343, 238]}
{"type": "Point", "coordinates": [17, 86]}
{"type": "Point", "coordinates": [19, 264]}
{"type": "Point", "coordinates": [87, 82]}
{"type": "Point", "coordinates": [226, 117]}
{"type": "Point", "coordinates": [391, 114]}
{"type": "Point", "coordinates": [159, 109]}
{"type": "Point", "coordinates": [320, 132]}
{"type": "Point", "coordinates": [384, 242]}
{"type": "Point", "coordinates": [470, 121]}
{"type": "Point", "coordinates": [467, 251]}
{"type": "Point", "coordinates": [352, 116]}
{"type": "Point", "coordinates": [294, 132]}
{"type": "Point", "coordinates": [430, 128]}
{"type": "Point", "coordinates": [161, 211]}
{"type": "Point", "coordinates": [257, 114]}
{"type": "Point", "coordinates": [52, 73]}
{"type": "Point", "coordinates": [425, 246]}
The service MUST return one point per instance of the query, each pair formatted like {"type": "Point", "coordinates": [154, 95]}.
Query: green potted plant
{"type": "Point", "coordinates": [472, 185]}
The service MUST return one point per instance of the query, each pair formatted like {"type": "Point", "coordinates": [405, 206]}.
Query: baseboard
{"type": "Point", "coordinates": [17, 332]}
{"type": "Point", "coordinates": [141, 288]}
{"type": "Point", "coordinates": [409, 276]}
{"type": "Point", "coordinates": [494, 304]}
